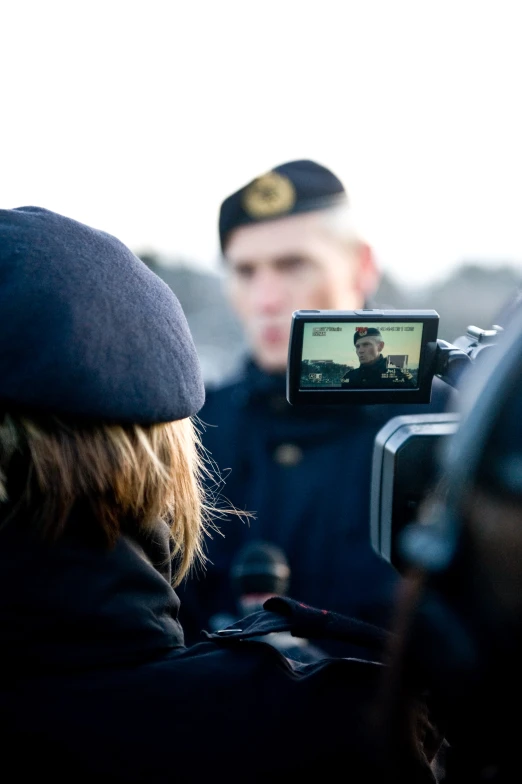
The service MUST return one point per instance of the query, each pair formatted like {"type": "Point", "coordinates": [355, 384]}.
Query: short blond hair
{"type": "Point", "coordinates": [339, 221]}
{"type": "Point", "coordinates": [123, 473]}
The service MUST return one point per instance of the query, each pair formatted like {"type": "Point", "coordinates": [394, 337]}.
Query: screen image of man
{"type": "Point", "coordinates": [289, 242]}
{"type": "Point", "coordinates": [374, 372]}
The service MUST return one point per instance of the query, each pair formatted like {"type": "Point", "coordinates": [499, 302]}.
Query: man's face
{"type": "Point", "coordinates": [284, 265]}
{"type": "Point", "coordinates": [368, 350]}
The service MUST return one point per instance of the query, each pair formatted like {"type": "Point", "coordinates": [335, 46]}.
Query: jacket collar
{"type": "Point", "coordinates": [74, 603]}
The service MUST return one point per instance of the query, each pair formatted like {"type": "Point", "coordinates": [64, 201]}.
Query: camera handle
{"type": "Point", "coordinates": [451, 359]}
{"type": "Point", "coordinates": [450, 362]}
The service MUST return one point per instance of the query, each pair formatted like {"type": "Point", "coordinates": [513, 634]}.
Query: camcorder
{"type": "Point", "coordinates": [371, 357]}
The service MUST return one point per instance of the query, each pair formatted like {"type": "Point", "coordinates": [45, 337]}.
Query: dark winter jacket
{"type": "Point", "coordinates": [96, 684]}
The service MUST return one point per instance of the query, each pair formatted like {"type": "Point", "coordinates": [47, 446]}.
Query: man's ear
{"type": "Point", "coordinates": [369, 275]}
{"type": "Point", "coordinates": [381, 345]}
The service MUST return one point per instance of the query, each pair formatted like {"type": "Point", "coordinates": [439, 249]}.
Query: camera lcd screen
{"type": "Point", "coordinates": [361, 355]}
{"type": "Point", "coordinates": [369, 356]}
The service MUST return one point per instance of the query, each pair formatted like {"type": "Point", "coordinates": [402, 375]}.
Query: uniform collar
{"type": "Point", "coordinates": [261, 383]}
{"type": "Point", "coordinates": [377, 365]}
{"type": "Point", "coordinates": [269, 390]}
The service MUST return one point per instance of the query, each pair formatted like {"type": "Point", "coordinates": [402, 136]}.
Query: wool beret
{"type": "Point", "coordinates": [88, 330]}
{"type": "Point", "coordinates": [366, 332]}
{"type": "Point", "coordinates": [291, 188]}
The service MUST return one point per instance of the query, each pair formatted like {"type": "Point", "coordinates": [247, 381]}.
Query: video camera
{"type": "Point", "coordinates": [370, 357]}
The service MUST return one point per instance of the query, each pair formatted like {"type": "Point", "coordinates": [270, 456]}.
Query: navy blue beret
{"type": "Point", "coordinates": [87, 330]}
{"type": "Point", "coordinates": [291, 188]}
{"type": "Point", "coordinates": [366, 332]}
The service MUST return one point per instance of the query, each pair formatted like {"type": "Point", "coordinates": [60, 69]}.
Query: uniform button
{"type": "Point", "coordinates": [288, 454]}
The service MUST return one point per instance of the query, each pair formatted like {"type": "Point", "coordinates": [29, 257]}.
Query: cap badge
{"type": "Point", "coordinates": [270, 195]}
{"type": "Point", "coordinates": [362, 331]}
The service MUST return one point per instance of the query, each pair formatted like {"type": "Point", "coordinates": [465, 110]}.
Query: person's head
{"type": "Point", "coordinates": [289, 243]}
{"type": "Point", "coordinates": [368, 345]}
{"type": "Point", "coordinates": [99, 379]}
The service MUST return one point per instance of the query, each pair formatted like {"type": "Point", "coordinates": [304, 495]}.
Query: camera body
{"type": "Point", "coordinates": [329, 347]}
{"type": "Point", "coordinates": [409, 450]}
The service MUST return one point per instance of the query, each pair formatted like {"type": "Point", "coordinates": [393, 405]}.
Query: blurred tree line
{"type": "Point", "coordinates": [472, 295]}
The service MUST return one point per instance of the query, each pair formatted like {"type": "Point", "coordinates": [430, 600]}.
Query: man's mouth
{"type": "Point", "coordinates": [273, 334]}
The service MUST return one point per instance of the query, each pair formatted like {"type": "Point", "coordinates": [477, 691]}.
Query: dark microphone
{"type": "Point", "coordinates": [259, 570]}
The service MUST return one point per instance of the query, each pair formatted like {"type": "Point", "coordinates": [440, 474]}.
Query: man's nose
{"type": "Point", "coordinates": [268, 292]}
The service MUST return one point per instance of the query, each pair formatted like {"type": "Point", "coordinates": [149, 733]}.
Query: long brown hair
{"type": "Point", "coordinates": [122, 472]}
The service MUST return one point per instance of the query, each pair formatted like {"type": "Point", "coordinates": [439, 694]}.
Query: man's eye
{"type": "Point", "coordinates": [290, 263]}
{"type": "Point", "coordinates": [243, 271]}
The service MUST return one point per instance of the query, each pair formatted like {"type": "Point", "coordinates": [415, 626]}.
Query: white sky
{"type": "Point", "coordinates": [139, 118]}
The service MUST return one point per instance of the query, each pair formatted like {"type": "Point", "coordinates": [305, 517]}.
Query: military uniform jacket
{"type": "Point", "coordinates": [304, 472]}
{"type": "Point", "coordinates": [97, 685]}
{"type": "Point", "coordinates": [377, 376]}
